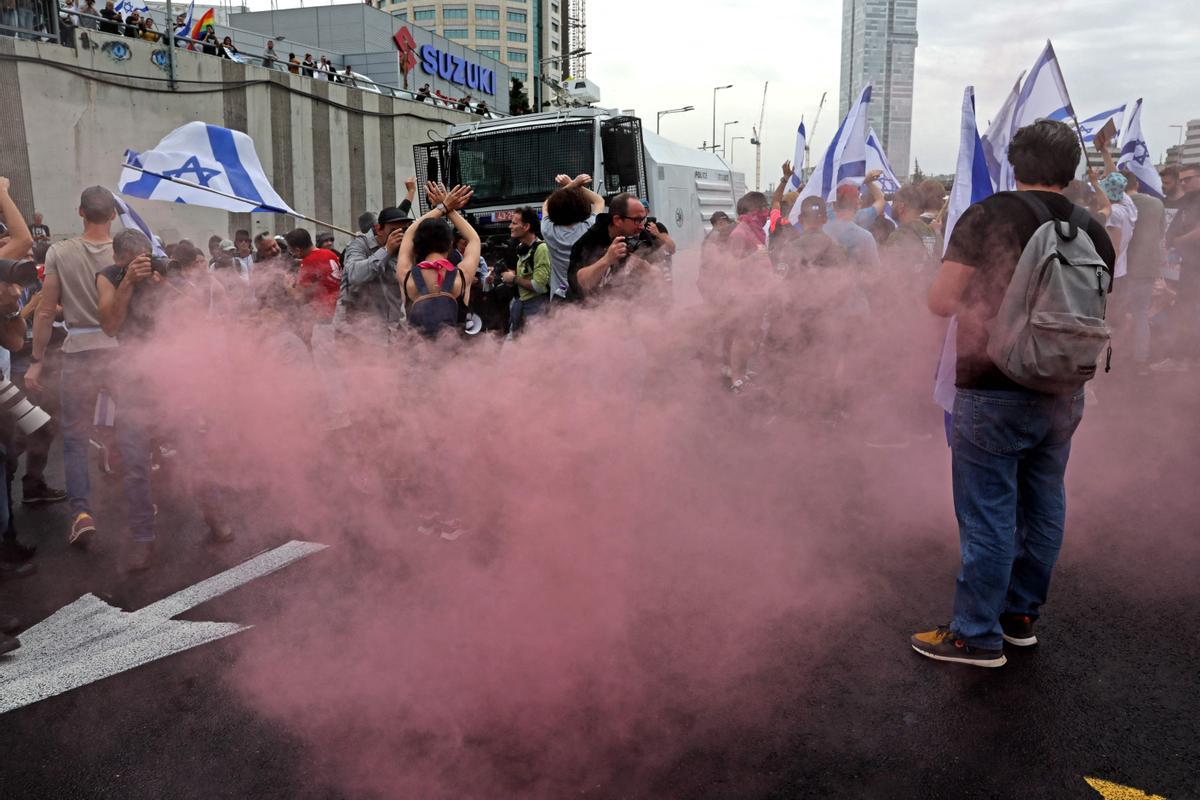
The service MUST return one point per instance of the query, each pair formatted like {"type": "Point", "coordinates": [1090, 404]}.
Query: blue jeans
{"type": "Point", "coordinates": [1009, 454]}
{"type": "Point", "coordinates": [83, 375]}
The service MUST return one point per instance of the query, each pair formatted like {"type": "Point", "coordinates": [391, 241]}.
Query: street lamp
{"type": "Point", "coordinates": [732, 142]}
{"type": "Point", "coordinates": [714, 136]}
{"type": "Point", "coordinates": [1180, 132]}
{"type": "Point", "coordinates": [661, 114]}
{"type": "Point", "coordinates": [724, 133]}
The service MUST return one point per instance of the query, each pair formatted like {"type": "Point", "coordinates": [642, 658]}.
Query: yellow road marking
{"type": "Point", "coordinates": [1115, 791]}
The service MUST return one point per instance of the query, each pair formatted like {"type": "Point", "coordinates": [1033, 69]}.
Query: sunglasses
{"type": "Point", "coordinates": [639, 220]}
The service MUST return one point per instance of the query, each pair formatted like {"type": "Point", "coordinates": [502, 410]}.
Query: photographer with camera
{"type": "Point", "coordinates": [604, 258]}
{"type": "Point", "coordinates": [71, 269]}
{"type": "Point", "coordinates": [370, 306]}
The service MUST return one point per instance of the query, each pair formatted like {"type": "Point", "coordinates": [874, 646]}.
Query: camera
{"type": "Point", "coordinates": [13, 402]}
{"type": "Point", "coordinates": [22, 272]}
{"type": "Point", "coordinates": [163, 265]}
{"type": "Point", "coordinates": [632, 243]}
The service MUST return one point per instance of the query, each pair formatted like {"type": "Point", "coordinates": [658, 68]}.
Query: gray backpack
{"type": "Point", "coordinates": [1050, 331]}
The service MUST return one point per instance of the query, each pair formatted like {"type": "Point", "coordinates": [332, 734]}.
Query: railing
{"type": "Point", "coordinates": [71, 22]}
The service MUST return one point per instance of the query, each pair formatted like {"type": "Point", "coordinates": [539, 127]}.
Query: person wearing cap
{"type": "Point", "coordinates": [859, 244]}
{"type": "Point", "coordinates": [914, 246]}
{"type": "Point", "coordinates": [325, 240]}
{"type": "Point", "coordinates": [813, 247]}
{"type": "Point", "coordinates": [712, 254]}
{"type": "Point", "coordinates": [370, 306]}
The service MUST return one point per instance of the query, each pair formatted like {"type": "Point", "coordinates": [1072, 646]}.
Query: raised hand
{"type": "Point", "coordinates": [562, 180]}
{"type": "Point", "coordinates": [458, 198]}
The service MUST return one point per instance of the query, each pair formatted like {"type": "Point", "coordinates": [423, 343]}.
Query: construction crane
{"type": "Point", "coordinates": [756, 140]}
{"type": "Point", "coordinates": [811, 135]}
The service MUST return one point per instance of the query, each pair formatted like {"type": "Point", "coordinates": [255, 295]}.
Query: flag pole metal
{"type": "Point", "coordinates": [252, 203]}
{"type": "Point", "coordinates": [170, 39]}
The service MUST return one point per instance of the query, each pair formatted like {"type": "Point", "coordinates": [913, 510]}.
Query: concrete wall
{"type": "Point", "coordinates": [70, 114]}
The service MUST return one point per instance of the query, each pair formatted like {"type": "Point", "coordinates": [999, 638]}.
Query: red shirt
{"type": "Point", "coordinates": [320, 278]}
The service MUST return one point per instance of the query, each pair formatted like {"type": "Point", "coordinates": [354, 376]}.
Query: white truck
{"type": "Point", "coordinates": [512, 162]}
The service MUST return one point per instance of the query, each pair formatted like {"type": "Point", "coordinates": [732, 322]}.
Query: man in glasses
{"type": "Point", "coordinates": [1183, 236]}
{"type": "Point", "coordinates": [607, 256]}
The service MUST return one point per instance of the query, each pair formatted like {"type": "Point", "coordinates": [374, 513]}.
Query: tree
{"type": "Point", "coordinates": [518, 100]}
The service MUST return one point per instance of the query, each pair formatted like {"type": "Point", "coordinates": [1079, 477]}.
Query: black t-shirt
{"type": "Point", "coordinates": [39, 231]}
{"type": "Point", "coordinates": [990, 236]}
{"type": "Point", "coordinates": [587, 250]}
{"type": "Point", "coordinates": [1186, 220]}
{"type": "Point", "coordinates": [143, 305]}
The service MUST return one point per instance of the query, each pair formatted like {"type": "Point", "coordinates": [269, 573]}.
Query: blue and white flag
{"type": "Point", "coordinates": [798, 158]}
{"type": "Point", "coordinates": [208, 156]}
{"type": "Point", "coordinates": [999, 132]}
{"type": "Point", "coordinates": [1091, 126]}
{"type": "Point", "coordinates": [186, 28]}
{"type": "Point", "coordinates": [845, 159]}
{"type": "Point", "coordinates": [125, 7]}
{"type": "Point", "coordinates": [130, 220]}
{"type": "Point", "coordinates": [1043, 96]}
{"type": "Point", "coordinates": [1135, 155]}
{"type": "Point", "coordinates": [877, 160]}
{"type": "Point", "coordinates": [972, 183]}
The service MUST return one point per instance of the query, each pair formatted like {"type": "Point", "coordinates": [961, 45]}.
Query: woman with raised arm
{"type": "Point", "coordinates": [433, 287]}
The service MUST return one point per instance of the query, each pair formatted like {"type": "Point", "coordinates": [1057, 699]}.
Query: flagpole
{"type": "Point", "coordinates": [1070, 105]}
{"type": "Point", "coordinates": [252, 203]}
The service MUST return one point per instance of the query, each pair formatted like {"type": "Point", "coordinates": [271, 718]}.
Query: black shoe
{"type": "Point", "coordinates": [13, 552]}
{"type": "Point", "coordinates": [8, 643]}
{"type": "Point", "coordinates": [10, 625]}
{"type": "Point", "coordinates": [1018, 629]}
{"type": "Point", "coordinates": [39, 493]}
{"type": "Point", "coordinates": [17, 570]}
{"type": "Point", "coordinates": [141, 557]}
{"type": "Point", "coordinates": [942, 644]}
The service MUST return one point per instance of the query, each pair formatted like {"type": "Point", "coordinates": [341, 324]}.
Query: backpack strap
{"type": "Point", "coordinates": [418, 280]}
{"type": "Point", "coordinates": [1080, 218]}
{"type": "Point", "coordinates": [448, 281]}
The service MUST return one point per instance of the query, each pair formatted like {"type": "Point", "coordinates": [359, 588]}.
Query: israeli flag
{"type": "Point", "coordinates": [186, 28]}
{"type": "Point", "coordinates": [877, 159]}
{"type": "Point", "coordinates": [126, 7]}
{"type": "Point", "coordinates": [207, 156]}
{"type": "Point", "coordinates": [798, 158]}
{"type": "Point", "coordinates": [1091, 126]}
{"type": "Point", "coordinates": [999, 133]}
{"type": "Point", "coordinates": [130, 220]}
{"type": "Point", "coordinates": [1135, 155]}
{"type": "Point", "coordinates": [1043, 96]}
{"type": "Point", "coordinates": [845, 159]}
{"type": "Point", "coordinates": [972, 183]}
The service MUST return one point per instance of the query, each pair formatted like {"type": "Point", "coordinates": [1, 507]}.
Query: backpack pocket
{"type": "Point", "coordinates": [1062, 349]}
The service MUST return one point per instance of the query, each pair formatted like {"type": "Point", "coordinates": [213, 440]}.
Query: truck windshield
{"type": "Point", "coordinates": [515, 168]}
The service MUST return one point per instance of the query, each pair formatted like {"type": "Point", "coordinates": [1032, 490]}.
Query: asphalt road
{"type": "Point", "coordinates": [1112, 692]}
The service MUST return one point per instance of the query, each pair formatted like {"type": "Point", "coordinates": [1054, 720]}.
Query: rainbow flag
{"type": "Point", "coordinates": [206, 21]}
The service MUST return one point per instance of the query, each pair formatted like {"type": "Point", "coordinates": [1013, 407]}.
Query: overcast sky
{"type": "Point", "coordinates": [649, 56]}
{"type": "Point", "coordinates": [670, 53]}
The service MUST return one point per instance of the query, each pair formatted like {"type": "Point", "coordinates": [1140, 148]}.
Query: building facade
{"type": "Point", "coordinates": [530, 37]}
{"type": "Point", "coordinates": [1189, 153]}
{"type": "Point", "coordinates": [879, 47]}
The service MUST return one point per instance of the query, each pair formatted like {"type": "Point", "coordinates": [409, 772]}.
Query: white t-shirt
{"type": "Point", "coordinates": [1124, 215]}
{"type": "Point", "coordinates": [560, 239]}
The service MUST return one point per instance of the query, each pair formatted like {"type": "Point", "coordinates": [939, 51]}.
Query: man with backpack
{"type": "Point", "coordinates": [531, 278]}
{"type": "Point", "coordinates": [1027, 273]}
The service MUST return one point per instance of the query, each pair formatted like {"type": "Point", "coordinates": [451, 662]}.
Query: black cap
{"type": "Point", "coordinates": [324, 237]}
{"type": "Point", "coordinates": [717, 217]}
{"type": "Point", "coordinates": [813, 205]}
{"type": "Point", "coordinates": [392, 214]}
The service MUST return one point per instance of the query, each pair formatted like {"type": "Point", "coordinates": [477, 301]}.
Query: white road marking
{"type": "Point", "coordinates": [89, 639]}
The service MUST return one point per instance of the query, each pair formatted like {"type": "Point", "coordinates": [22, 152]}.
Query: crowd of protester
{"type": "Point", "coordinates": [403, 279]}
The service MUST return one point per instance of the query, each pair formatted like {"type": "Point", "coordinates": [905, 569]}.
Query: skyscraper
{"type": "Point", "coordinates": [879, 46]}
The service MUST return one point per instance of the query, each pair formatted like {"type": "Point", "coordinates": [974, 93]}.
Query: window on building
{"type": "Point", "coordinates": [517, 36]}
{"type": "Point", "coordinates": [456, 33]}
{"type": "Point", "coordinates": [554, 44]}
{"type": "Point", "coordinates": [487, 13]}
{"type": "Point", "coordinates": [487, 33]}
{"type": "Point", "coordinates": [424, 14]}
{"type": "Point", "coordinates": [517, 16]}
{"type": "Point", "coordinates": [554, 7]}
{"type": "Point", "coordinates": [403, 14]}
{"type": "Point", "coordinates": [518, 56]}
{"type": "Point", "coordinates": [454, 13]}
{"type": "Point", "coordinates": [490, 53]}
{"type": "Point", "coordinates": [521, 76]}
{"type": "Point", "coordinates": [554, 27]}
